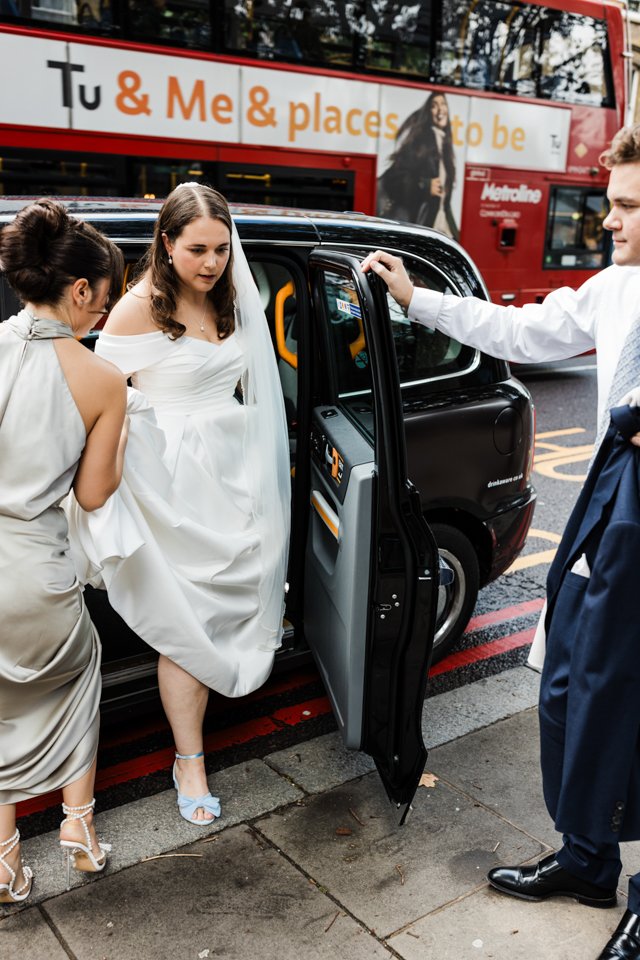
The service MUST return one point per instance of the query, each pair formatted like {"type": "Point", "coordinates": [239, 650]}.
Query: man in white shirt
{"type": "Point", "coordinates": [603, 313]}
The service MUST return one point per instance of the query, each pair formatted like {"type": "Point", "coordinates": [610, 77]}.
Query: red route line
{"type": "Point", "coordinates": [507, 613]}
{"type": "Point", "coordinates": [270, 689]}
{"type": "Point", "coordinates": [163, 759]}
{"type": "Point", "coordinates": [483, 651]}
{"type": "Point", "coordinates": [286, 717]}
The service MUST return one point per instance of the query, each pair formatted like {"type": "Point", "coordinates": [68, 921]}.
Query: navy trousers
{"type": "Point", "coordinates": [597, 863]}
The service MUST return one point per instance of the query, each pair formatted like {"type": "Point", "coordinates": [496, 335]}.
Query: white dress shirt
{"type": "Point", "coordinates": [568, 322]}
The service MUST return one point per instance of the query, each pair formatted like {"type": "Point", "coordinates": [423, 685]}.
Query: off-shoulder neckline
{"type": "Point", "coordinates": [159, 333]}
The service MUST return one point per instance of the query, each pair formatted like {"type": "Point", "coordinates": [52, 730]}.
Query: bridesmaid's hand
{"type": "Point", "coordinates": [392, 271]}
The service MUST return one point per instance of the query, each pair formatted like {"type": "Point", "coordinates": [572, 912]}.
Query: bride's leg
{"type": "Point", "coordinates": [185, 700]}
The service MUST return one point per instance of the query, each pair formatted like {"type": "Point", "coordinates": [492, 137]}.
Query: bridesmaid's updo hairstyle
{"type": "Point", "coordinates": [44, 250]}
{"type": "Point", "coordinates": [188, 202]}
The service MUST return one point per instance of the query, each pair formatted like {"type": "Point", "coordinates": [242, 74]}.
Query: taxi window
{"type": "Point", "coordinates": [349, 353]}
{"type": "Point", "coordinates": [346, 328]}
{"type": "Point", "coordinates": [425, 354]}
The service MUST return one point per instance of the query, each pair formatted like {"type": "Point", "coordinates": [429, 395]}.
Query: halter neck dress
{"type": "Point", "coordinates": [49, 648]}
{"type": "Point", "coordinates": [176, 546]}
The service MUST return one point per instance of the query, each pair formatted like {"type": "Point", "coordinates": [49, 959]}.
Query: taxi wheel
{"type": "Point", "coordinates": [456, 601]}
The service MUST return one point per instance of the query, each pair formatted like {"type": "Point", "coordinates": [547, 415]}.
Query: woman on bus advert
{"type": "Point", "coordinates": [418, 184]}
{"type": "Point", "coordinates": [192, 549]}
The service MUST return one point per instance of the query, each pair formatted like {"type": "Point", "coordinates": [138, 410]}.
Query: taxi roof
{"type": "Point", "coordinates": [130, 221]}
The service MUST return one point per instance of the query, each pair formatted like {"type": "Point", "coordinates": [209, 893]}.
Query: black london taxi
{"type": "Point", "coordinates": [403, 443]}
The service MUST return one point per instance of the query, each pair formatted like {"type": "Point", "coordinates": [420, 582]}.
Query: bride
{"type": "Point", "coordinates": [192, 549]}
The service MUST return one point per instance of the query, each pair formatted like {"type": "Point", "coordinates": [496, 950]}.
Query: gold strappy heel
{"type": "Point", "coordinates": [8, 892]}
{"type": "Point", "coordinates": [81, 855]}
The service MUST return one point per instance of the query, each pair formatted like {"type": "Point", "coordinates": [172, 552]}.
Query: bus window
{"type": "Point", "coordinates": [576, 238]}
{"type": "Point", "coordinates": [517, 67]}
{"type": "Point", "coordinates": [302, 32]}
{"type": "Point", "coordinates": [473, 36]}
{"type": "Point", "coordinates": [524, 49]}
{"type": "Point", "coordinates": [49, 173]}
{"type": "Point", "coordinates": [286, 186]}
{"type": "Point", "coordinates": [93, 15]}
{"type": "Point", "coordinates": [157, 177]}
{"type": "Point", "coordinates": [573, 62]}
{"type": "Point", "coordinates": [401, 42]}
{"type": "Point", "coordinates": [176, 21]}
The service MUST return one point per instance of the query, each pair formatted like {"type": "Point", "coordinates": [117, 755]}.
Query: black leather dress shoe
{"type": "Point", "coordinates": [548, 879]}
{"type": "Point", "coordinates": [625, 942]}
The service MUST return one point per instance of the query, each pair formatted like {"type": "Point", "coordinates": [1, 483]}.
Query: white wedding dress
{"type": "Point", "coordinates": [178, 546]}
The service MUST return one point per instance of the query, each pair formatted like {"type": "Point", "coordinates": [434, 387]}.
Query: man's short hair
{"type": "Point", "coordinates": [625, 148]}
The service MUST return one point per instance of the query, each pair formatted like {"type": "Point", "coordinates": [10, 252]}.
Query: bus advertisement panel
{"type": "Point", "coordinates": [501, 153]}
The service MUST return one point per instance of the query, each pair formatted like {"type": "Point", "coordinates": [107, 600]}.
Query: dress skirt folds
{"type": "Point", "coordinates": [49, 649]}
{"type": "Point", "coordinates": [177, 546]}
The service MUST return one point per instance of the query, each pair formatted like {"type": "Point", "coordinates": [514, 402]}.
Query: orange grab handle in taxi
{"type": "Point", "coordinates": [359, 343]}
{"type": "Point", "coordinates": [326, 513]}
{"type": "Point", "coordinates": [125, 279]}
{"type": "Point", "coordinates": [287, 355]}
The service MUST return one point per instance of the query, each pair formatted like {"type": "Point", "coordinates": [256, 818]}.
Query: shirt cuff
{"type": "Point", "coordinates": [425, 306]}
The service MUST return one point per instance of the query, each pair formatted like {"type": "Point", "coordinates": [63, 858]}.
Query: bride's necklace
{"type": "Point", "coordinates": [203, 316]}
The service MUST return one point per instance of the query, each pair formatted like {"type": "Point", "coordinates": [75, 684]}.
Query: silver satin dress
{"type": "Point", "coordinates": [49, 648]}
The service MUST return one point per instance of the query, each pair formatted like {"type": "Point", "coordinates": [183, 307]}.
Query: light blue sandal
{"type": "Point", "coordinates": [188, 805]}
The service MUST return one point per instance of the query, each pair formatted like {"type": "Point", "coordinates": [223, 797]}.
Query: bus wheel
{"type": "Point", "coordinates": [457, 600]}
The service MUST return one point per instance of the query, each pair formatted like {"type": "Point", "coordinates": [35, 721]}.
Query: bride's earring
{"type": "Point", "coordinates": [170, 260]}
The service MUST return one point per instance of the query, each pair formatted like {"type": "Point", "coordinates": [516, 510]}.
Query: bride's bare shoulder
{"type": "Point", "coordinates": [132, 313]}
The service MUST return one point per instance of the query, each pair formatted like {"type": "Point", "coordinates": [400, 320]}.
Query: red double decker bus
{"type": "Point", "coordinates": [483, 118]}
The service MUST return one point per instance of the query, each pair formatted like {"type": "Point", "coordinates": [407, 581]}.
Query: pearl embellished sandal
{"type": "Point", "coordinates": [81, 855]}
{"type": "Point", "coordinates": [188, 805]}
{"type": "Point", "coordinates": [8, 892]}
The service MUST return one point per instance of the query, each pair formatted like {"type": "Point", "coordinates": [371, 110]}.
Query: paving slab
{"type": "Point", "coordinates": [350, 842]}
{"type": "Point", "coordinates": [487, 925]}
{"type": "Point", "coordinates": [630, 855]}
{"type": "Point", "coordinates": [153, 825]}
{"type": "Point", "coordinates": [500, 767]}
{"type": "Point", "coordinates": [460, 712]}
{"type": "Point", "coordinates": [27, 936]}
{"type": "Point", "coordinates": [320, 764]}
{"type": "Point", "coordinates": [233, 896]}
{"type": "Point", "coordinates": [324, 763]}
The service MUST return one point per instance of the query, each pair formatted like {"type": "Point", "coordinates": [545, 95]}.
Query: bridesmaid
{"type": "Point", "coordinates": [62, 425]}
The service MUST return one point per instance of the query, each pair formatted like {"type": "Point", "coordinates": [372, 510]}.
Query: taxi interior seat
{"type": "Point", "coordinates": [270, 279]}
{"type": "Point", "coordinates": [10, 303]}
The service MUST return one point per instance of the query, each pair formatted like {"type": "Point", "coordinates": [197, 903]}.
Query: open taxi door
{"type": "Point", "coordinates": [371, 568]}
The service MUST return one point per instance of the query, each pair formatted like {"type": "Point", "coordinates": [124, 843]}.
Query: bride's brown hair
{"type": "Point", "coordinates": [188, 202]}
